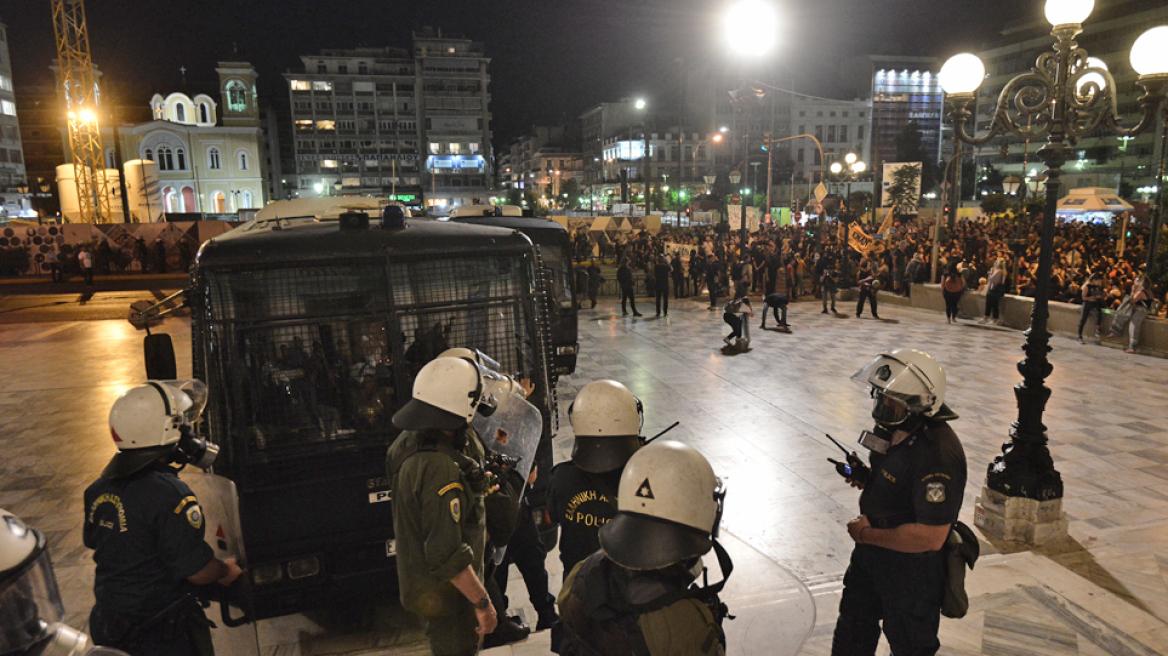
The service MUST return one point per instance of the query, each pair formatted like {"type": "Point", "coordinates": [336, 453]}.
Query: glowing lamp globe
{"type": "Point", "coordinates": [750, 27]}
{"type": "Point", "coordinates": [1149, 54]}
{"type": "Point", "coordinates": [850, 158]}
{"type": "Point", "coordinates": [962, 74]}
{"type": "Point", "coordinates": [859, 167]}
{"type": "Point", "coordinates": [836, 167]}
{"type": "Point", "coordinates": [1065, 12]}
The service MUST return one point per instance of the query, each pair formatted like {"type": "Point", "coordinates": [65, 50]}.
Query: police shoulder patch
{"type": "Point", "coordinates": [456, 509]}
{"type": "Point", "coordinates": [195, 516]}
{"type": "Point", "coordinates": [935, 492]}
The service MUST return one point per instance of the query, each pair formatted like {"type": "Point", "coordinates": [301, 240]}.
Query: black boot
{"type": "Point", "coordinates": [507, 632]}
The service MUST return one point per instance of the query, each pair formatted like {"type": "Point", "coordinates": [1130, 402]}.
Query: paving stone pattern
{"type": "Point", "coordinates": [760, 417]}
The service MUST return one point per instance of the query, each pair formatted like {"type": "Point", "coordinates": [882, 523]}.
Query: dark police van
{"type": "Point", "coordinates": [309, 326]}
{"type": "Point", "coordinates": [555, 254]}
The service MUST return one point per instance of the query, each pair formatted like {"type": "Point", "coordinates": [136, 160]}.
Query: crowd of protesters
{"type": "Point", "coordinates": [986, 255]}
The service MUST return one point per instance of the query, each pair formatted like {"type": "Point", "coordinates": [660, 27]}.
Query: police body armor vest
{"type": "Point", "coordinates": [606, 596]}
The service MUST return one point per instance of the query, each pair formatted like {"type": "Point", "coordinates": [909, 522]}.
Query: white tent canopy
{"type": "Point", "coordinates": [1093, 199]}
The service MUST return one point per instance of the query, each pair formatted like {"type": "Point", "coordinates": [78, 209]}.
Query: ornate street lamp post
{"type": "Point", "coordinates": [1023, 491]}
{"type": "Point", "coordinates": [853, 169]}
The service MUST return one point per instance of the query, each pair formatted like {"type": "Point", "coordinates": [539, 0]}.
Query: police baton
{"type": "Point", "coordinates": [671, 427]}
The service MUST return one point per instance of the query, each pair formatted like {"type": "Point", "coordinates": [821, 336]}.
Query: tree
{"type": "Point", "coordinates": [995, 204]}
{"type": "Point", "coordinates": [571, 189]}
{"type": "Point", "coordinates": [1127, 190]}
{"type": "Point", "coordinates": [903, 192]}
{"type": "Point", "coordinates": [860, 202]}
{"type": "Point", "coordinates": [514, 197]}
{"type": "Point", "coordinates": [910, 148]}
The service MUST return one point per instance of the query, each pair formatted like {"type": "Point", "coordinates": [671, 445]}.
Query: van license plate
{"type": "Point", "coordinates": [390, 548]}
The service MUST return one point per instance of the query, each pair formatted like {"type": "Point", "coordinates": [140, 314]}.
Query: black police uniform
{"type": "Point", "coordinates": [919, 480]}
{"type": "Point", "coordinates": [580, 502]}
{"type": "Point", "coordinates": [146, 532]}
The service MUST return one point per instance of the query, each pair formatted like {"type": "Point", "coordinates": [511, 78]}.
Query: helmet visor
{"type": "Point", "coordinates": [888, 409]}
{"type": "Point", "coordinates": [29, 601]}
{"type": "Point", "coordinates": [192, 397]}
{"type": "Point", "coordinates": [903, 381]}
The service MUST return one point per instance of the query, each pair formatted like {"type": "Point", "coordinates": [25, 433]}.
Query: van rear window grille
{"type": "Point", "coordinates": [307, 378]}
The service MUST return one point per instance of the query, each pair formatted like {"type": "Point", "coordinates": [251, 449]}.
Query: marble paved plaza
{"type": "Point", "coordinates": [760, 417]}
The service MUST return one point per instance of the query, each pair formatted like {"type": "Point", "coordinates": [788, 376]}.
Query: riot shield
{"type": "Point", "coordinates": [773, 611]}
{"type": "Point", "coordinates": [513, 430]}
{"type": "Point", "coordinates": [219, 501]}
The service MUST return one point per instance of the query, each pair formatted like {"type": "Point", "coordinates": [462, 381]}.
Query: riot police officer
{"type": "Point", "coordinates": [634, 596]}
{"type": "Point", "coordinates": [30, 603]}
{"type": "Point", "coordinates": [439, 513]}
{"type": "Point", "coordinates": [582, 495]}
{"type": "Point", "coordinates": [911, 499]}
{"type": "Point", "coordinates": [145, 526]}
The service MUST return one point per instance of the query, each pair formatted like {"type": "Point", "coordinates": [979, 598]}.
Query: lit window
{"type": "Point", "coordinates": [236, 96]}
{"type": "Point", "coordinates": [455, 148]}
{"type": "Point", "coordinates": [5, 83]}
{"type": "Point", "coordinates": [8, 107]}
{"type": "Point", "coordinates": [321, 85]}
{"type": "Point", "coordinates": [328, 163]}
{"type": "Point", "coordinates": [301, 85]}
{"type": "Point", "coordinates": [474, 147]}
{"type": "Point", "coordinates": [326, 125]}
{"type": "Point", "coordinates": [434, 148]}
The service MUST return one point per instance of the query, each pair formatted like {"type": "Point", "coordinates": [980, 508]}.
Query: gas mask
{"type": "Point", "coordinates": [194, 450]}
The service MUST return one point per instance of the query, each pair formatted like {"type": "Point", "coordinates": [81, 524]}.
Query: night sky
{"type": "Point", "coordinates": [551, 59]}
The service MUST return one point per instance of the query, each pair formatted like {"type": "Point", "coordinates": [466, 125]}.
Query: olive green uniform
{"type": "Point", "coordinates": [599, 598]}
{"type": "Point", "coordinates": [439, 524]}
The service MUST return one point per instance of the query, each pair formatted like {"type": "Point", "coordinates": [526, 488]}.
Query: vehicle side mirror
{"type": "Point", "coordinates": [159, 357]}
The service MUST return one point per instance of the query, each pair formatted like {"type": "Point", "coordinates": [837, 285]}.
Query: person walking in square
{"type": "Point", "coordinates": [85, 260]}
{"type": "Point", "coordinates": [662, 272]}
{"type": "Point", "coordinates": [624, 278]}
{"type": "Point", "coordinates": [594, 282]}
{"type": "Point", "coordinates": [828, 286]}
{"type": "Point", "coordinates": [866, 281]}
{"type": "Point", "coordinates": [952, 287]}
{"type": "Point", "coordinates": [1092, 303]}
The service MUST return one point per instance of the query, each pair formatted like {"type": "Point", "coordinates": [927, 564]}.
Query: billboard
{"type": "Point", "coordinates": [901, 186]}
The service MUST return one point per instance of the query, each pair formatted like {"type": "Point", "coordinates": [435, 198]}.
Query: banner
{"type": "Point", "coordinates": [885, 230]}
{"type": "Point", "coordinates": [859, 240]}
{"type": "Point", "coordinates": [734, 213]}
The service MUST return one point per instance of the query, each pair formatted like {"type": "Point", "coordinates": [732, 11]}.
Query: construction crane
{"type": "Point", "coordinates": [81, 106]}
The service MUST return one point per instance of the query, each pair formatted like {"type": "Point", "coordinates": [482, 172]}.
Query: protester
{"type": "Point", "coordinates": [952, 287]}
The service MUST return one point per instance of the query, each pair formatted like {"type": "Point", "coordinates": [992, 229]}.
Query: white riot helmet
{"type": "Point", "coordinates": [154, 420]}
{"type": "Point", "coordinates": [607, 419]}
{"type": "Point", "coordinates": [447, 393]}
{"type": "Point", "coordinates": [29, 600]}
{"type": "Point", "coordinates": [903, 382]}
{"type": "Point", "coordinates": [668, 509]}
{"type": "Point", "coordinates": [30, 603]}
{"type": "Point", "coordinates": [495, 383]}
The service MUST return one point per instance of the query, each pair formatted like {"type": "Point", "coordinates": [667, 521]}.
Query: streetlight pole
{"type": "Point", "coordinates": [1023, 479]}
